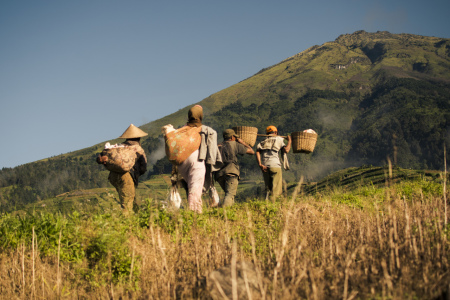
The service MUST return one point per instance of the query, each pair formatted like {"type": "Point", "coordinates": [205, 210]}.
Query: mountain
{"type": "Point", "coordinates": [371, 97]}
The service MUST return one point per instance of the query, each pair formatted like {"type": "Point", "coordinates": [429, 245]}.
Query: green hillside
{"type": "Point", "coordinates": [371, 97]}
{"type": "Point", "coordinates": [366, 94]}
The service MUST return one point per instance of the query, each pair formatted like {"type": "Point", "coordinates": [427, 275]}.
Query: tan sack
{"type": "Point", "coordinates": [120, 159]}
{"type": "Point", "coordinates": [181, 143]}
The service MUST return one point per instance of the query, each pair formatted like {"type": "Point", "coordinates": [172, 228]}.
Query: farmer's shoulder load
{"type": "Point", "coordinates": [118, 158]}
{"type": "Point", "coordinates": [180, 143]}
{"type": "Point", "coordinates": [247, 134]}
{"type": "Point", "coordinates": [304, 141]}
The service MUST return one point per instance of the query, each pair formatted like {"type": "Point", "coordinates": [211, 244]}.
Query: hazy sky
{"type": "Point", "coordinates": [75, 73]}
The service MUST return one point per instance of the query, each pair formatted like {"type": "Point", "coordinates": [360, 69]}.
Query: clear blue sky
{"type": "Point", "coordinates": [76, 73]}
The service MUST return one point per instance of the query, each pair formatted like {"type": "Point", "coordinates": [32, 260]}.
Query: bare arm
{"type": "Point", "coordinates": [249, 149]}
{"type": "Point", "coordinates": [287, 148]}
{"type": "Point", "coordinates": [258, 159]}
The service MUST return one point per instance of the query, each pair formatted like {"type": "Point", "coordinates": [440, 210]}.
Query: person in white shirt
{"type": "Point", "coordinates": [267, 156]}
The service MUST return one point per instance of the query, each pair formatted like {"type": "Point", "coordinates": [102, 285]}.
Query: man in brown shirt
{"type": "Point", "coordinates": [228, 175]}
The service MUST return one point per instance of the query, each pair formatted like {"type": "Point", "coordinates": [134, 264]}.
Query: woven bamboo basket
{"type": "Point", "coordinates": [303, 142]}
{"type": "Point", "coordinates": [247, 134]}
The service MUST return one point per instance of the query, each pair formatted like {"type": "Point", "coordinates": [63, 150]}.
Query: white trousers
{"type": "Point", "coordinates": [193, 172]}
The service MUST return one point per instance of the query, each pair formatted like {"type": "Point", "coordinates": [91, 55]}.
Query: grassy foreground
{"type": "Point", "coordinates": [369, 243]}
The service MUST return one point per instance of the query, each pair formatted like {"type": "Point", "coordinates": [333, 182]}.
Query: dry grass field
{"type": "Point", "coordinates": [387, 242]}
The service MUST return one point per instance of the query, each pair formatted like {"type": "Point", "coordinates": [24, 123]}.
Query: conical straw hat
{"type": "Point", "coordinates": [133, 132]}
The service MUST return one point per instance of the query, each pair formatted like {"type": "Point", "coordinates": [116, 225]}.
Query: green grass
{"type": "Point", "coordinates": [158, 187]}
{"type": "Point", "coordinates": [165, 253]}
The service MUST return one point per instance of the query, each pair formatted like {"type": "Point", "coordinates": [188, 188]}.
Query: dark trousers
{"type": "Point", "coordinates": [273, 180]}
{"type": "Point", "coordinates": [229, 184]}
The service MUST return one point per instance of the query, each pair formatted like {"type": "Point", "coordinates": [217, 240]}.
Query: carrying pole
{"type": "Point", "coordinates": [283, 136]}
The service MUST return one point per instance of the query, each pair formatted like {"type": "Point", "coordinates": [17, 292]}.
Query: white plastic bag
{"type": "Point", "coordinates": [213, 197]}
{"type": "Point", "coordinates": [284, 161]}
{"type": "Point", "coordinates": [174, 198]}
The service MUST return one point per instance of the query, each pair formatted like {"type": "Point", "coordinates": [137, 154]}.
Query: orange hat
{"type": "Point", "coordinates": [271, 129]}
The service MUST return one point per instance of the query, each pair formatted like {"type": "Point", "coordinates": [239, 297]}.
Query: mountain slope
{"type": "Point", "coordinates": [370, 96]}
{"type": "Point", "coordinates": [336, 89]}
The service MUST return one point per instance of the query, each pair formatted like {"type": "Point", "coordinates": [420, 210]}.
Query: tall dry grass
{"type": "Point", "coordinates": [394, 247]}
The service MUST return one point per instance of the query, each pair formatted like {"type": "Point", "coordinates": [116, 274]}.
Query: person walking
{"type": "Point", "coordinates": [126, 183]}
{"type": "Point", "coordinates": [229, 174]}
{"type": "Point", "coordinates": [200, 163]}
{"type": "Point", "coordinates": [267, 156]}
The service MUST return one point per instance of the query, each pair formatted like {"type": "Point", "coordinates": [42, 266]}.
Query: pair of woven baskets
{"type": "Point", "coordinates": [302, 142]}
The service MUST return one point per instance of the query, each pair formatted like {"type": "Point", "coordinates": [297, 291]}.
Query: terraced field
{"type": "Point", "coordinates": [158, 186]}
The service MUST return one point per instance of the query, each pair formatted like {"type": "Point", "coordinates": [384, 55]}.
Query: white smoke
{"type": "Point", "coordinates": [159, 153]}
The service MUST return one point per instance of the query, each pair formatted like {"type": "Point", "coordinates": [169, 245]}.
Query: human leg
{"type": "Point", "coordinates": [229, 185]}
{"type": "Point", "coordinates": [124, 185]}
{"type": "Point", "coordinates": [277, 181]}
{"type": "Point", "coordinates": [268, 184]}
{"type": "Point", "coordinates": [193, 172]}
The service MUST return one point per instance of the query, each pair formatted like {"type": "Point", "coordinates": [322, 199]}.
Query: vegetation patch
{"type": "Point", "coordinates": [369, 242]}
